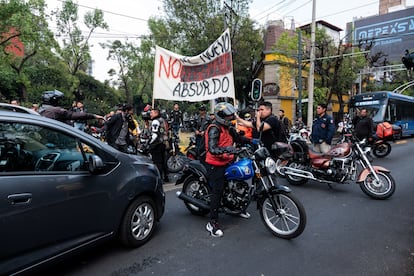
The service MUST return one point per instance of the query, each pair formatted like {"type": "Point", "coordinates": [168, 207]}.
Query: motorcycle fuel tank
{"type": "Point", "coordinates": [240, 170]}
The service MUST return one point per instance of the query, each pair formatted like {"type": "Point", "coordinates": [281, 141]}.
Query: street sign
{"type": "Point", "coordinates": [256, 93]}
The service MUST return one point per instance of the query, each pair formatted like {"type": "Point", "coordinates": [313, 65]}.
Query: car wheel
{"type": "Point", "coordinates": [138, 223]}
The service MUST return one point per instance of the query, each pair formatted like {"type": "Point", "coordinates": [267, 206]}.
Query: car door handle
{"type": "Point", "coordinates": [23, 198]}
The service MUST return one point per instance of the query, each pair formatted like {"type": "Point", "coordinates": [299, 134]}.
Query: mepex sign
{"type": "Point", "coordinates": [390, 33]}
{"type": "Point", "coordinates": [393, 27]}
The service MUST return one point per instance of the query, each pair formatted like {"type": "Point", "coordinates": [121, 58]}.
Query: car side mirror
{"type": "Point", "coordinates": [95, 164]}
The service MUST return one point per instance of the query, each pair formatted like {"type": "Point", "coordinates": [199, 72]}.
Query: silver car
{"type": "Point", "coordinates": [62, 190]}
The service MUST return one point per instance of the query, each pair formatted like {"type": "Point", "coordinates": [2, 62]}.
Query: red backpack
{"type": "Point", "coordinates": [384, 130]}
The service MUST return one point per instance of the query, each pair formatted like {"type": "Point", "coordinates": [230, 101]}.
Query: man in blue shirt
{"type": "Point", "coordinates": [323, 130]}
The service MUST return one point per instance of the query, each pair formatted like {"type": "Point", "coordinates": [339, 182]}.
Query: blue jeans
{"type": "Point", "coordinates": [80, 126]}
{"type": "Point", "coordinates": [176, 128]}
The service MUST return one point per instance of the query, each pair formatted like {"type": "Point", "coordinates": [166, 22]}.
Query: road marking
{"type": "Point", "coordinates": [401, 142]}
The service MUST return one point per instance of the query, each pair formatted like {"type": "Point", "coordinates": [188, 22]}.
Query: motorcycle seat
{"type": "Point", "coordinates": [314, 154]}
{"type": "Point", "coordinates": [199, 166]}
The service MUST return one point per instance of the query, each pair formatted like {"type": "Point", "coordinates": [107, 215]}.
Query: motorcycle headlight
{"type": "Point", "coordinates": [270, 165]}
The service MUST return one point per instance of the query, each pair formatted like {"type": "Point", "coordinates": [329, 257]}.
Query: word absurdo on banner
{"type": "Point", "coordinates": [206, 76]}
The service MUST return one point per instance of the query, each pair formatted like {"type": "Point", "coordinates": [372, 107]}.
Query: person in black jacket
{"type": "Point", "coordinates": [363, 125]}
{"type": "Point", "coordinates": [202, 122]}
{"type": "Point", "coordinates": [176, 118]}
{"type": "Point", "coordinates": [117, 128]}
{"type": "Point", "coordinates": [50, 108]}
{"type": "Point", "coordinates": [157, 142]}
{"type": "Point", "coordinates": [323, 130]}
{"type": "Point", "coordinates": [270, 128]}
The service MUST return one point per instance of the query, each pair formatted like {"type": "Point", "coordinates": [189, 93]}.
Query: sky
{"type": "Point", "coordinates": [127, 19]}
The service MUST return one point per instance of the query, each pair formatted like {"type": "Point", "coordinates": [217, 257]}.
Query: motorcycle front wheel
{"type": "Point", "coordinates": [382, 150]}
{"type": "Point", "coordinates": [199, 190]}
{"type": "Point", "coordinates": [382, 189]}
{"type": "Point", "coordinates": [175, 163]}
{"type": "Point", "coordinates": [283, 215]}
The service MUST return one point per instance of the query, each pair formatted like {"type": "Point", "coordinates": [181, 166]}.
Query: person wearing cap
{"type": "Point", "coordinates": [246, 130]}
{"type": "Point", "coordinates": [201, 125]}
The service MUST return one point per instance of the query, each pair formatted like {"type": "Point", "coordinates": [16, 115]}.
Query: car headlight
{"type": "Point", "coordinates": [270, 165]}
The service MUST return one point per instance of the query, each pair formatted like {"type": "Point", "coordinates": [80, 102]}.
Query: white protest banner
{"type": "Point", "coordinates": [206, 76]}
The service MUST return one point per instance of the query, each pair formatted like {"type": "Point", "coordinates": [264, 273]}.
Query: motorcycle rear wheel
{"type": "Point", "coordinates": [381, 150]}
{"type": "Point", "coordinates": [382, 190]}
{"type": "Point", "coordinates": [289, 219]}
{"type": "Point", "coordinates": [175, 163]}
{"type": "Point", "coordinates": [199, 190]}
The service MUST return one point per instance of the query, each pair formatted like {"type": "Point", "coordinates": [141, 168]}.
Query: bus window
{"type": "Point", "coordinates": [391, 115]}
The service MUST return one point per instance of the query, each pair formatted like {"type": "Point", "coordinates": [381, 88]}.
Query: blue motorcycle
{"type": "Point", "coordinates": [251, 175]}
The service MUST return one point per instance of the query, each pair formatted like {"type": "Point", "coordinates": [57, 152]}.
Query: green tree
{"type": "Point", "coordinates": [336, 64]}
{"type": "Point", "coordinates": [76, 45]}
{"type": "Point", "coordinates": [26, 22]}
{"type": "Point", "coordinates": [136, 64]}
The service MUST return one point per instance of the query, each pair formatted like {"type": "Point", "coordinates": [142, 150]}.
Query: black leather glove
{"type": "Point", "coordinates": [231, 150]}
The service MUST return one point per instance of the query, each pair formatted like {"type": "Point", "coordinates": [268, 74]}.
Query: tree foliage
{"type": "Point", "coordinates": [136, 64]}
{"type": "Point", "coordinates": [76, 45]}
{"type": "Point", "coordinates": [336, 64]}
{"type": "Point", "coordinates": [23, 28]}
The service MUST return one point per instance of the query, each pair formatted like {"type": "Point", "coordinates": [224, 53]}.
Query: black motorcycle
{"type": "Point", "coordinates": [175, 159]}
{"type": "Point", "coordinates": [281, 212]}
{"type": "Point", "coordinates": [381, 147]}
{"type": "Point", "coordinates": [191, 150]}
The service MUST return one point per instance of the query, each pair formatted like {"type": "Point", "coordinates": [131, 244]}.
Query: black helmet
{"type": "Point", "coordinates": [224, 113]}
{"type": "Point", "coordinates": [52, 97]}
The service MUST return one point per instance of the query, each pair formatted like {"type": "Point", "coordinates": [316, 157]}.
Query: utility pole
{"type": "Point", "coordinates": [312, 68]}
{"type": "Point", "coordinates": [300, 73]}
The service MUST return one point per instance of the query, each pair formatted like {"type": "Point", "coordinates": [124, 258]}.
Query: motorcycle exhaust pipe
{"type": "Point", "coordinates": [299, 173]}
{"type": "Point", "coordinates": [192, 200]}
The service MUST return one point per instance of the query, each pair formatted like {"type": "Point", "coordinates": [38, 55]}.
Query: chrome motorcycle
{"type": "Point", "coordinates": [282, 214]}
{"type": "Point", "coordinates": [339, 165]}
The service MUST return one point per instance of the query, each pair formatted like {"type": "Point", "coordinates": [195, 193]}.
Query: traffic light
{"type": "Point", "coordinates": [256, 93]}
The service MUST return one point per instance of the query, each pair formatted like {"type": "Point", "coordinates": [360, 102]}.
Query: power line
{"type": "Point", "coordinates": [350, 9]}
{"type": "Point", "coordinates": [267, 9]}
{"type": "Point", "coordinates": [110, 12]}
{"type": "Point", "coordinates": [347, 10]}
{"type": "Point", "coordinates": [295, 9]}
{"type": "Point", "coordinates": [284, 6]}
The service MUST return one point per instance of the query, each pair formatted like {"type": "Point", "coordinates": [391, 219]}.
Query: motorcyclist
{"type": "Point", "coordinates": [157, 142]}
{"type": "Point", "coordinates": [363, 125]}
{"type": "Point", "coordinates": [220, 137]}
{"type": "Point", "coordinates": [202, 123]}
{"type": "Point", "coordinates": [50, 108]}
